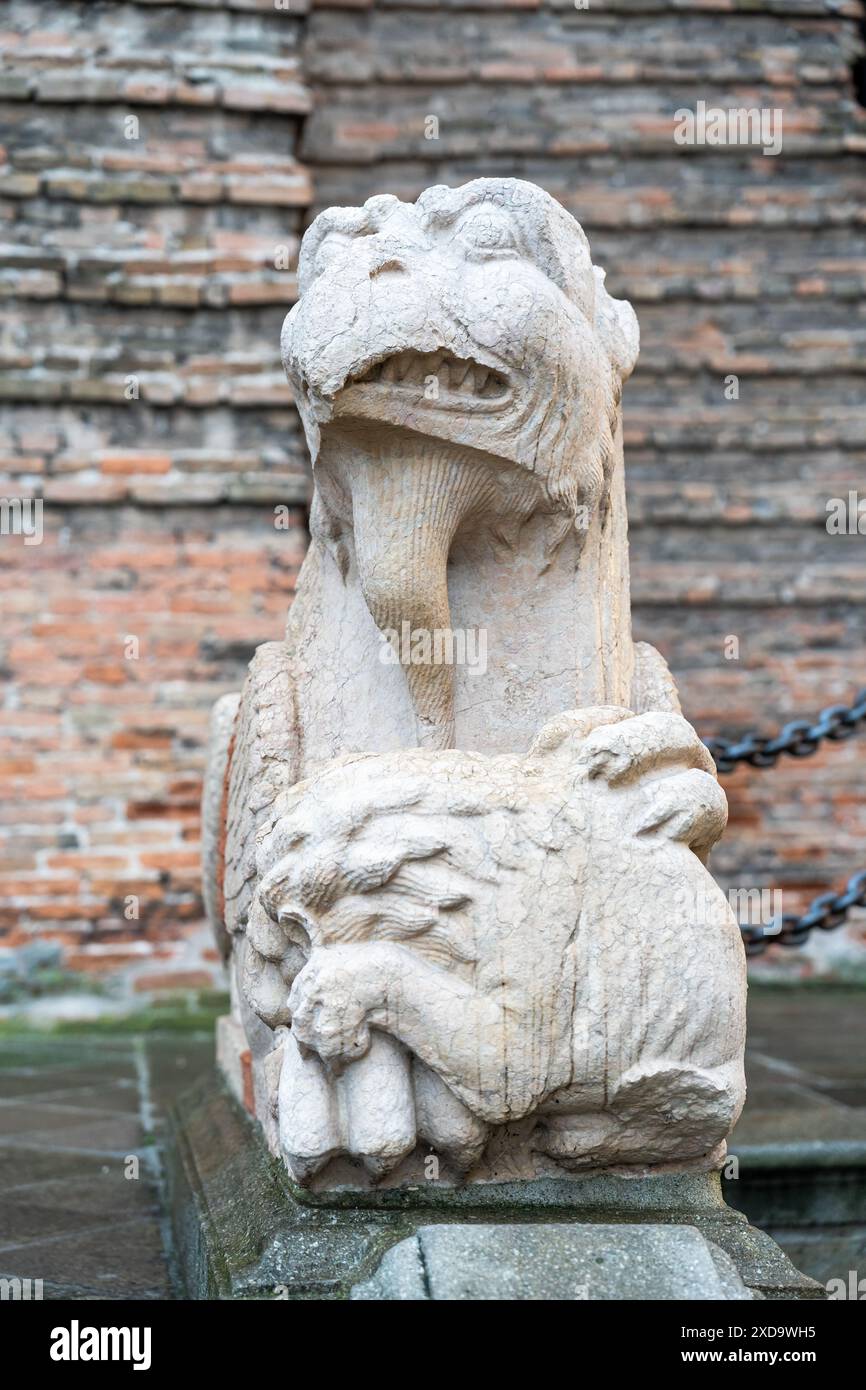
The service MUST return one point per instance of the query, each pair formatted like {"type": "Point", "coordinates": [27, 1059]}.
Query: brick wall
{"type": "Point", "coordinates": [143, 282]}
{"type": "Point", "coordinates": [159, 268]}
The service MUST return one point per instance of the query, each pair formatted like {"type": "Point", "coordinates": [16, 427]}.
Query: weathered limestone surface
{"type": "Point", "coordinates": [467, 901]}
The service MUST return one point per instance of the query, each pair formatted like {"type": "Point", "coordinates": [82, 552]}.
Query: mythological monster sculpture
{"type": "Point", "coordinates": [467, 910]}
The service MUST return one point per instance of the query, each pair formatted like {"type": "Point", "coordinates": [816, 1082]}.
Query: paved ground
{"type": "Point", "coordinates": [806, 1066]}
{"type": "Point", "coordinates": [74, 1110]}
{"type": "Point", "coordinates": [802, 1136]}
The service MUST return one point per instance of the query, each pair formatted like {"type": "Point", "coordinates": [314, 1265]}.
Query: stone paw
{"type": "Point", "coordinates": [327, 1014]}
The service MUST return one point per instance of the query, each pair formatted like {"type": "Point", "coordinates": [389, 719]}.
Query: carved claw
{"type": "Point", "coordinates": [657, 755]}
{"type": "Point", "coordinates": [660, 757]}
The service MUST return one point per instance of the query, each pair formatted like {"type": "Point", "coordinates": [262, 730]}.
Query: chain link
{"type": "Point", "coordinates": [825, 913]}
{"type": "Point", "coordinates": [799, 739]}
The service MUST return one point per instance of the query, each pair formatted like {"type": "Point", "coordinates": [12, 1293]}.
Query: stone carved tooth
{"type": "Point", "coordinates": [495, 386]}
{"type": "Point", "coordinates": [463, 377]}
{"type": "Point", "coordinates": [480, 374]}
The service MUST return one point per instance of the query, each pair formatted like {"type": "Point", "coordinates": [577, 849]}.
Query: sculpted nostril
{"type": "Point", "coordinates": [391, 266]}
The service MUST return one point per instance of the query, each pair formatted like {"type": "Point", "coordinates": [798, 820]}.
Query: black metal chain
{"type": "Point", "coordinates": [825, 913]}
{"type": "Point", "coordinates": [799, 739]}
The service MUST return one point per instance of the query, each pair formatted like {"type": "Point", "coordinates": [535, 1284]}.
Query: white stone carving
{"type": "Point", "coordinates": [464, 922]}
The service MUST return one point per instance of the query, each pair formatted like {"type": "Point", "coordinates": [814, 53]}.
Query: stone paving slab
{"type": "Point", "coordinates": [107, 1259]}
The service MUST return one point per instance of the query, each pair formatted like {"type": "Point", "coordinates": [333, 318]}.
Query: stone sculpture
{"type": "Point", "coordinates": [466, 905]}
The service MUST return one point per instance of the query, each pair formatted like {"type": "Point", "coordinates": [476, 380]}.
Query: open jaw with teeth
{"type": "Point", "coordinates": [458, 379]}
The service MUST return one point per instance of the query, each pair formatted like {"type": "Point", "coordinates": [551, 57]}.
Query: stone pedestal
{"type": "Point", "coordinates": [244, 1230]}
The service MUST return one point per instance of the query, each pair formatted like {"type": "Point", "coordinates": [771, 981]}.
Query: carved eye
{"type": "Point", "coordinates": [296, 927]}
{"type": "Point", "coordinates": [486, 231]}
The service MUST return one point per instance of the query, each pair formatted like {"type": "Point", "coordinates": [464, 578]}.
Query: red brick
{"type": "Point", "coordinates": [134, 462]}
{"type": "Point", "coordinates": [173, 980]}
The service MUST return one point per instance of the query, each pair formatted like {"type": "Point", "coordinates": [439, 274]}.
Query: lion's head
{"type": "Point", "coordinates": [474, 316]}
